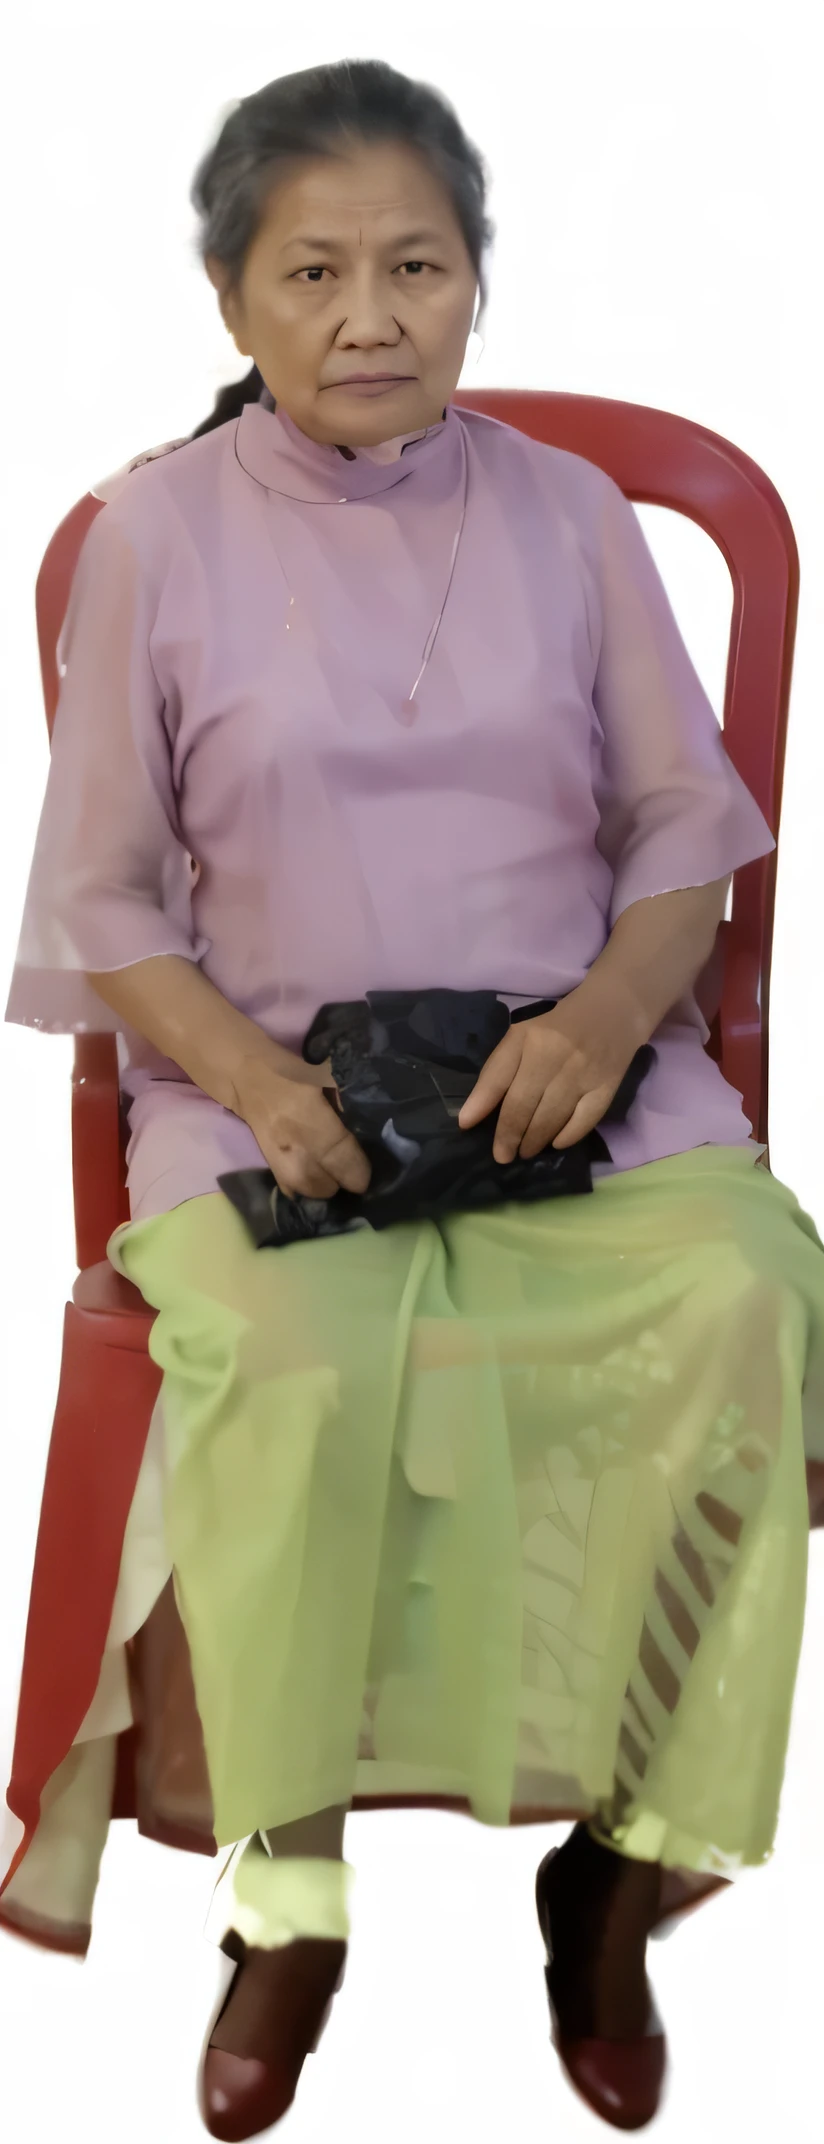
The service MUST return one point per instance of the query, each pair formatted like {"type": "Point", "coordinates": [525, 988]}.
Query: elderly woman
{"type": "Point", "coordinates": [504, 1505]}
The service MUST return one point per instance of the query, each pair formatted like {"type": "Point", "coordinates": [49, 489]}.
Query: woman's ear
{"type": "Point", "coordinates": [215, 272]}
{"type": "Point", "coordinates": [475, 339]}
{"type": "Point", "coordinates": [228, 301]}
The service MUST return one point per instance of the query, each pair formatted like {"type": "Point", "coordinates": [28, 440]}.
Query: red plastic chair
{"type": "Point", "coordinates": [108, 1381]}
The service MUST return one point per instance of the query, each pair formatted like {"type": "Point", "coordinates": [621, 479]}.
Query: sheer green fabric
{"type": "Point", "coordinates": [270, 1903]}
{"type": "Point", "coordinates": [509, 1508]}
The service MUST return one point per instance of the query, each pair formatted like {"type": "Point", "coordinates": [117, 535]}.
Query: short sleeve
{"type": "Point", "coordinates": [111, 880]}
{"type": "Point", "coordinates": [674, 811]}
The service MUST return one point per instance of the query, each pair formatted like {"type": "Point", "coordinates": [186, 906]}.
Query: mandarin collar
{"type": "Point", "coordinates": [277, 454]}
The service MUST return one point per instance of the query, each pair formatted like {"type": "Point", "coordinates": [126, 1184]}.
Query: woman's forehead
{"type": "Point", "coordinates": [348, 200]}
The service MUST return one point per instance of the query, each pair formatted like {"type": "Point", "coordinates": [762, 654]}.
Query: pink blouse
{"type": "Point", "coordinates": [248, 615]}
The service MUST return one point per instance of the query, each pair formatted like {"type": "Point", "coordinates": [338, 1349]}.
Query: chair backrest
{"type": "Point", "coordinates": [656, 458]}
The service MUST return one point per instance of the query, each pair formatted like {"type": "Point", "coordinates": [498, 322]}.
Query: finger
{"type": "Point", "coordinates": [528, 1095]}
{"type": "Point", "coordinates": [301, 1175]}
{"type": "Point", "coordinates": [584, 1119]}
{"type": "Point", "coordinates": [349, 1163]}
{"type": "Point", "coordinates": [493, 1082]}
{"type": "Point", "coordinates": [553, 1113]}
{"type": "Point", "coordinates": [333, 1151]}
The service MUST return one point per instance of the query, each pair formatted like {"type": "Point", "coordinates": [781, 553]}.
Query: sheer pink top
{"type": "Point", "coordinates": [229, 780]}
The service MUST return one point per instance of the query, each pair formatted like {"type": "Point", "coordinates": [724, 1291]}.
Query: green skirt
{"type": "Point", "coordinates": [509, 1508]}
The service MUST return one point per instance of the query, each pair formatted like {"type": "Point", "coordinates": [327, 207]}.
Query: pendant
{"type": "Point", "coordinates": [407, 713]}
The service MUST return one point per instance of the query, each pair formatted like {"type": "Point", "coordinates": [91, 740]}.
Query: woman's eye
{"type": "Point", "coordinates": [316, 273]}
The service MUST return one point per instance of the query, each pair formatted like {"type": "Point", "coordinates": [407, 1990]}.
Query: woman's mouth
{"type": "Point", "coordinates": [373, 383]}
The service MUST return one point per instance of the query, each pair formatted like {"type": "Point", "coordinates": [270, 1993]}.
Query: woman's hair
{"type": "Point", "coordinates": [320, 112]}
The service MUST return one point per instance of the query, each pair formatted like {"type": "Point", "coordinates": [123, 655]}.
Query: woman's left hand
{"type": "Point", "coordinates": [556, 1074]}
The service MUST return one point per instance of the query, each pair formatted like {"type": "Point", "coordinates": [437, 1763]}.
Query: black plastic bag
{"type": "Point", "coordinates": [404, 1063]}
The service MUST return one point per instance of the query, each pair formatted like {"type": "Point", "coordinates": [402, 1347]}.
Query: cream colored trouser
{"type": "Point", "coordinates": [58, 1879]}
{"type": "Point", "coordinates": [59, 1875]}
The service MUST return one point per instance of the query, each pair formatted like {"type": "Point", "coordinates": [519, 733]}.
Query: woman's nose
{"type": "Point", "coordinates": [369, 316]}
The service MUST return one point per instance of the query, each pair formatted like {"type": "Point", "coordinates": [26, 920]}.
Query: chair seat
{"type": "Point", "coordinates": [102, 1293]}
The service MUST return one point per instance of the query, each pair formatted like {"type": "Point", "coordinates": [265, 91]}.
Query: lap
{"type": "Point", "coordinates": [710, 1200]}
{"type": "Point", "coordinates": [698, 1248]}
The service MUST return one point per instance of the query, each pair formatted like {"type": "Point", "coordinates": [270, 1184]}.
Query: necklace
{"type": "Point", "coordinates": [406, 713]}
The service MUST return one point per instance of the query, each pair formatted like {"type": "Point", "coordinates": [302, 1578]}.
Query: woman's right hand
{"type": "Point", "coordinates": [308, 1149]}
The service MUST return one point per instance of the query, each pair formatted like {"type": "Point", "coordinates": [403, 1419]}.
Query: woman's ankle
{"type": "Point", "coordinates": [276, 1902]}
{"type": "Point", "coordinates": [316, 1837]}
{"type": "Point", "coordinates": [269, 1902]}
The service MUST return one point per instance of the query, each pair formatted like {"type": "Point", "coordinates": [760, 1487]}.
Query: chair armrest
{"type": "Point", "coordinates": [100, 1197]}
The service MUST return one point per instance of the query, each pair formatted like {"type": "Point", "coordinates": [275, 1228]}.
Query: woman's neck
{"type": "Point", "coordinates": [383, 450]}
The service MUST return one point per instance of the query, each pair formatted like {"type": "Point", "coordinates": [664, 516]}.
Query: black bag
{"type": "Point", "coordinates": [404, 1063]}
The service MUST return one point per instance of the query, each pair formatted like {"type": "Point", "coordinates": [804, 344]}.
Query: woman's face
{"type": "Point", "coordinates": [359, 266]}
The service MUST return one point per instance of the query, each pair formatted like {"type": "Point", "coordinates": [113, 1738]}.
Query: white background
{"type": "Point", "coordinates": [658, 201]}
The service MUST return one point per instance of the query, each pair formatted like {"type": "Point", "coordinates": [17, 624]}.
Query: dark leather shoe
{"type": "Point", "coordinates": [681, 1893]}
{"type": "Point", "coordinates": [241, 2095]}
{"type": "Point", "coordinates": [622, 2080]}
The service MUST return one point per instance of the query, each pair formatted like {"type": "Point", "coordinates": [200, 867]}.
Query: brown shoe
{"type": "Point", "coordinates": [605, 2027]}
{"type": "Point", "coordinates": [682, 1892]}
{"type": "Point", "coordinates": [280, 2002]}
